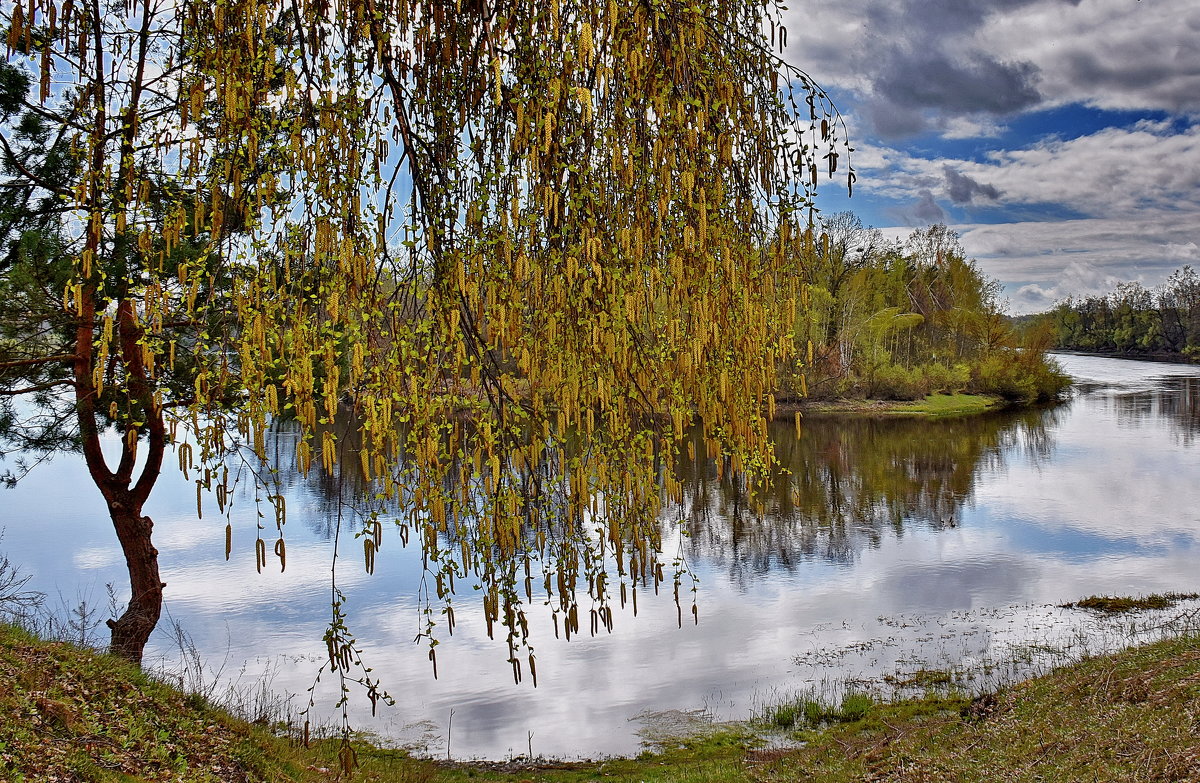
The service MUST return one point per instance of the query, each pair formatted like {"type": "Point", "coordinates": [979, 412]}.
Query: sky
{"type": "Point", "coordinates": [1059, 138]}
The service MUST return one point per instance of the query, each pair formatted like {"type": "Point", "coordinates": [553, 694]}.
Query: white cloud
{"type": "Point", "coordinates": [1182, 253]}
{"type": "Point", "coordinates": [1078, 278]}
{"type": "Point", "coordinates": [1116, 171]}
{"type": "Point", "coordinates": [1112, 54]}
{"type": "Point", "coordinates": [1043, 262]}
{"type": "Point", "coordinates": [953, 67]}
{"type": "Point", "coordinates": [976, 127]}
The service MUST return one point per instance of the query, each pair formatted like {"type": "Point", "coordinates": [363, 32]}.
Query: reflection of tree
{"type": "Point", "coordinates": [845, 482]}
{"type": "Point", "coordinates": [325, 495]}
{"type": "Point", "coordinates": [838, 489]}
{"type": "Point", "coordinates": [1174, 399]}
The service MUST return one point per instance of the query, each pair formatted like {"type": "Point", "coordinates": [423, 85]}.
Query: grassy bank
{"type": "Point", "coordinates": [934, 405]}
{"type": "Point", "coordinates": [1126, 717]}
{"type": "Point", "coordinates": [73, 714]}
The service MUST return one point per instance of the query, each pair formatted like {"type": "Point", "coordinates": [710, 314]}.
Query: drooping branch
{"type": "Point", "coordinates": [527, 244]}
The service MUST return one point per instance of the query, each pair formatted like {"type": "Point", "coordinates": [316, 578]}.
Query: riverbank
{"type": "Point", "coordinates": [73, 714]}
{"type": "Point", "coordinates": [934, 405]}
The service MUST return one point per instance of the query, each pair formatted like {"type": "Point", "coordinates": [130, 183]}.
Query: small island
{"type": "Point", "coordinates": [911, 327]}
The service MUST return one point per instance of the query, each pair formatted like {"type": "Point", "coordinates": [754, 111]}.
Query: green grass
{"type": "Point", "coordinates": [70, 713]}
{"type": "Point", "coordinates": [934, 405]}
{"type": "Point", "coordinates": [812, 711]}
{"type": "Point", "coordinates": [948, 405]}
{"type": "Point", "coordinates": [73, 714]}
{"type": "Point", "coordinates": [1131, 716]}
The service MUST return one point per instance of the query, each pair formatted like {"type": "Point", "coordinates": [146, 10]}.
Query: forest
{"type": "Point", "coordinates": [1132, 319]}
{"type": "Point", "coordinates": [902, 319]}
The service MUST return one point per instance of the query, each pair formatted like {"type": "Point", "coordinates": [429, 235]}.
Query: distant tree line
{"type": "Point", "coordinates": [902, 319]}
{"type": "Point", "coordinates": [1133, 319]}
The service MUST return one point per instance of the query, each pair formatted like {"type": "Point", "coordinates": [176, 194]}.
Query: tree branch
{"type": "Point", "coordinates": [29, 175]}
{"type": "Point", "coordinates": [35, 389]}
{"type": "Point", "coordinates": [64, 357]}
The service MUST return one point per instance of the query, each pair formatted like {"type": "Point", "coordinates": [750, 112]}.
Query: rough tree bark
{"type": "Point", "coordinates": [131, 631]}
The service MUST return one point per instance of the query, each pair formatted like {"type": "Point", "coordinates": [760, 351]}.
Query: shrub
{"type": "Point", "coordinates": [1020, 376]}
{"type": "Point", "coordinates": [893, 382]}
{"type": "Point", "coordinates": [946, 380]}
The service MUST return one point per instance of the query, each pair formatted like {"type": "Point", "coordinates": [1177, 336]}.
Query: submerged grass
{"type": "Point", "coordinates": [924, 679]}
{"type": "Point", "coordinates": [1122, 604]}
{"type": "Point", "coordinates": [1124, 717]}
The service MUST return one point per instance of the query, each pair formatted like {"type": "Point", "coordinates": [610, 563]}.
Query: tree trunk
{"type": "Point", "coordinates": [132, 629]}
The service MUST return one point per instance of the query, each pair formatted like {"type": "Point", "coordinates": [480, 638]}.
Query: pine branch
{"type": "Point", "coordinates": [34, 389]}
{"type": "Point", "coordinates": [59, 358]}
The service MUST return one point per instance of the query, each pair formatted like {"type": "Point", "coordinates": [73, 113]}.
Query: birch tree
{"type": "Point", "coordinates": [520, 246]}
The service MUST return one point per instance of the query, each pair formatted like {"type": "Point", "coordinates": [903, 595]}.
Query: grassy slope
{"type": "Point", "coordinates": [70, 714]}
{"type": "Point", "coordinates": [1130, 717]}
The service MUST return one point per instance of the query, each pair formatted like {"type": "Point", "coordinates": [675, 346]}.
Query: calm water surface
{"type": "Point", "coordinates": [890, 544]}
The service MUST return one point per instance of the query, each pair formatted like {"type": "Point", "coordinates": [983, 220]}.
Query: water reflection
{"type": "Point", "coordinates": [841, 486]}
{"type": "Point", "coordinates": [845, 484]}
{"type": "Point", "coordinates": [1175, 401]}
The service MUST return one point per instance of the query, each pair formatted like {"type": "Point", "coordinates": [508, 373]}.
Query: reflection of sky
{"type": "Point", "coordinates": [1111, 509]}
{"type": "Point", "coordinates": [1078, 546]}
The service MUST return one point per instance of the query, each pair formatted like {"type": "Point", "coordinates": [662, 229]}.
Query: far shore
{"type": "Point", "coordinates": [1169, 357]}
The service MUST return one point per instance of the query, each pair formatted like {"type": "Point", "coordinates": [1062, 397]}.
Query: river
{"type": "Point", "coordinates": [891, 545]}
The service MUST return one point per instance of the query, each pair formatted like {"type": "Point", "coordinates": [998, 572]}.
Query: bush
{"type": "Point", "coordinates": [946, 380]}
{"type": "Point", "coordinates": [893, 382]}
{"type": "Point", "coordinates": [1020, 377]}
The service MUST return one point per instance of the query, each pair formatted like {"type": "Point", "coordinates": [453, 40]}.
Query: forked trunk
{"type": "Point", "coordinates": [132, 629]}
